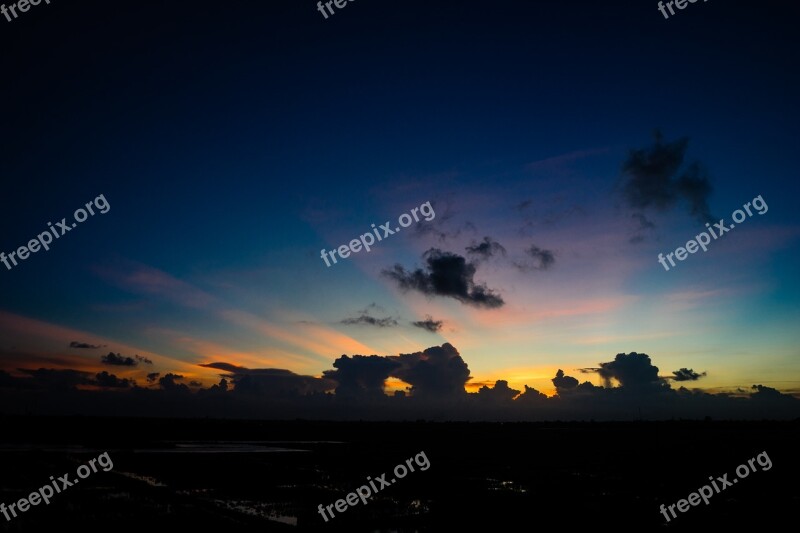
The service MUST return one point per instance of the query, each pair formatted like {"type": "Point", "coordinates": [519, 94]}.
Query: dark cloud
{"type": "Point", "coordinates": [652, 179]}
{"type": "Point", "coordinates": [152, 377]}
{"type": "Point", "coordinates": [76, 344]}
{"type": "Point", "coordinates": [564, 383]}
{"type": "Point", "coordinates": [361, 375]}
{"type": "Point", "coordinates": [531, 396]}
{"type": "Point", "coordinates": [436, 376]}
{"type": "Point", "coordinates": [500, 393]}
{"type": "Point", "coordinates": [446, 274]}
{"type": "Point", "coordinates": [486, 249]}
{"type": "Point", "coordinates": [687, 374]}
{"type": "Point", "coordinates": [633, 370]}
{"type": "Point", "coordinates": [118, 360]}
{"type": "Point", "coordinates": [270, 381]}
{"type": "Point", "coordinates": [366, 320]}
{"type": "Point", "coordinates": [104, 379]}
{"type": "Point", "coordinates": [429, 324]}
{"type": "Point", "coordinates": [58, 379]}
{"type": "Point", "coordinates": [170, 382]}
{"type": "Point", "coordinates": [542, 259]}
{"type": "Point", "coordinates": [195, 384]}
{"type": "Point", "coordinates": [764, 393]}
{"type": "Point", "coordinates": [437, 372]}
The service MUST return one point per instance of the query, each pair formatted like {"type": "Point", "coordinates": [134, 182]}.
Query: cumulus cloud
{"type": "Point", "coordinates": [152, 377]}
{"type": "Point", "coordinates": [446, 274]}
{"type": "Point", "coordinates": [270, 381]}
{"type": "Point", "coordinates": [687, 374]}
{"type": "Point", "coordinates": [116, 359]}
{"type": "Point", "coordinates": [653, 179]}
{"type": "Point", "coordinates": [500, 393]}
{"type": "Point", "coordinates": [630, 370]}
{"type": "Point", "coordinates": [429, 324]}
{"type": "Point", "coordinates": [360, 374]}
{"type": "Point", "coordinates": [531, 396]}
{"type": "Point", "coordinates": [104, 379]}
{"type": "Point", "coordinates": [437, 372]}
{"type": "Point", "coordinates": [170, 382]}
{"type": "Point", "coordinates": [564, 383]}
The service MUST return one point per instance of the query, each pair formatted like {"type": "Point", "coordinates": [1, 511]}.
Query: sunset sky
{"type": "Point", "coordinates": [234, 143]}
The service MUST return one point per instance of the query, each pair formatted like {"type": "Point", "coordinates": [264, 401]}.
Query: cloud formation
{"type": "Point", "coordinates": [486, 249]}
{"type": "Point", "coordinates": [653, 178]}
{"type": "Point", "coordinates": [541, 259]}
{"type": "Point", "coordinates": [437, 372]}
{"type": "Point", "coordinates": [355, 389]}
{"type": "Point", "coordinates": [449, 275]}
{"type": "Point", "coordinates": [84, 345]}
{"type": "Point", "coordinates": [104, 379]}
{"type": "Point", "coordinates": [687, 374]}
{"type": "Point", "coordinates": [365, 319]}
{"type": "Point", "coordinates": [270, 381]}
{"type": "Point", "coordinates": [116, 359]}
{"type": "Point", "coordinates": [429, 324]}
{"type": "Point", "coordinates": [361, 375]}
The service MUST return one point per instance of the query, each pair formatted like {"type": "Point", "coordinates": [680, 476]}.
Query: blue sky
{"type": "Point", "coordinates": [233, 144]}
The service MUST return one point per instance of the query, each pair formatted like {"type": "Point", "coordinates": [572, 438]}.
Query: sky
{"type": "Point", "coordinates": [556, 149]}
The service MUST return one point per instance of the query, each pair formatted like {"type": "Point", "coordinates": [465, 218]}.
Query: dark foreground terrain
{"type": "Point", "coordinates": [203, 475]}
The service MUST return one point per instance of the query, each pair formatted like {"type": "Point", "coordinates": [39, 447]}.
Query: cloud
{"type": "Point", "coordinates": [58, 379]}
{"type": "Point", "coordinates": [652, 179]}
{"type": "Point", "coordinates": [564, 383]}
{"type": "Point", "coordinates": [365, 319]}
{"type": "Point", "coordinates": [76, 344]}
{"type": "Point", "coordinates": [118, 360]}
{"type": "Point", "coordinates": [152, 377]}
{"type": "Point", "coordinates": [630, 370]}
{"type": "Point", "coordinates": [486, 249]}
{"type": "Point", "coordinates": [361, 375]}
{"type": "Point", "coordinates": [531, 396]}
{"type": "Point", "coordinates": [542, 259]}
{"type": "Point", "coordinates": [170, 382]}
{"type": "Point", "coordinates": [687, 374]}
{"type": "Point", "coordinates": [500, 393]}
{"type": "Point", "coordinates": [429, 324]}
{"type": "Point", "coordinates": [437, 372]}
{"type": "Point", "coordinates": [449, 275]}
{"type": "Point", "coordinates": [104, 379]}
{"type": "Point", "coordinates": [270, 381]}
